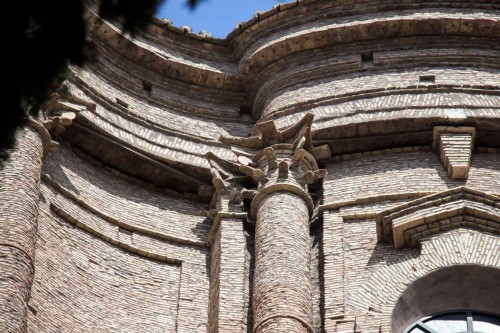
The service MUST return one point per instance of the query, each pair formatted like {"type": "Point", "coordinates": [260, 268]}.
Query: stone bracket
{"type": "Point", "coordinates": [455, 145]}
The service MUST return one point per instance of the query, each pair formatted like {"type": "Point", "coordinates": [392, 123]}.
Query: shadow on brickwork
{"type": "Point", "coordinates": [387, 254]}
{"type": "Point", "coordinates": [250, 249]}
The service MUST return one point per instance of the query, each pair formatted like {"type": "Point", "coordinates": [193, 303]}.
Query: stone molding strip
{"type": "Point", "coordinates": [217, 219]}
{"type": "Point", "coordinates": [281, 187]}
{"type": "Point", "coordinates": [374, 199]}
{"type": "Point", "coordinates": [132, 249]}
{"type": "Point", "coordinates": [265, 320]}
{"type": "Point", "coordinates": [79, 202]}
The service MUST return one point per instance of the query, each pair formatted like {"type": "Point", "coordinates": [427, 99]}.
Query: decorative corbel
{"type": "Point", "coordinates": [455, 146]}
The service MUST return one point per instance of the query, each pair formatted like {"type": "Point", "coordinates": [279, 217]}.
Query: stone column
{"type": "Point", "coordinates": [282, 300]}
{"type": "Point", "coordinates": [19, 194]}
{"type": "Point", "coordinates": [282, 168]}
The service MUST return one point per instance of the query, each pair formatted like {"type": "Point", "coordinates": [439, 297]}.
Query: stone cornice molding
{"type": "Point", "coordinates": [406, 224]}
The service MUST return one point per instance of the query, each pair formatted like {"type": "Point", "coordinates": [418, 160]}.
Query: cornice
{"type": "Point", "coordinates": [406, 224]}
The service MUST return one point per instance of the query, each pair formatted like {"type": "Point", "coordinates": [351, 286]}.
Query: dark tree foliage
{"type": "Point", "coordinates": [43, 37]}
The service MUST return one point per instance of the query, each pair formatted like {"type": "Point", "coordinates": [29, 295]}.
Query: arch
{"type": "Point", "coordinates": [449, 288]}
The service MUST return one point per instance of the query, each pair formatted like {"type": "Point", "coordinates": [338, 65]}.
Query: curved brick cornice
{"type": "Point", "coordinates": [273, 37]}
{"type": "Point", "coordinates": [172, 64]}
{"type": "Point", "coordinates": [166, 95]}
{"type": "Point", "coordinates": [328, 33]}
{"type": "Point", "coordinates": [407, 224]}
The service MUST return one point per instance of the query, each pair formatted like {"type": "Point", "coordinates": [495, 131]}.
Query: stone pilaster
{"type": "Point", "coordinates": [19, 196]}
{"type": "Point", "coordinates": [227, 298]}
{"type": "Point", "coordinates": [282, 166]}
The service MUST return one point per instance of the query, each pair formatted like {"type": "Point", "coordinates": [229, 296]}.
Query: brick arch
{"type": "Point", "coordinates": [461, 247]}
{"type": "Point", "coordinates": [448, 288]}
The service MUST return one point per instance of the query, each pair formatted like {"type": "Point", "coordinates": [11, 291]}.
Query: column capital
{"type": "Point", "coordinates": [277, 160]}
{"type": "Point", "coordinates": [227, 201]}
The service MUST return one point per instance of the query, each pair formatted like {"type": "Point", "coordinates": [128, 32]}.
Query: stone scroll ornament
{"type": "Point", "coordinates": [281, 165]}
{"type": "Point", "coordinates": [58, 112]}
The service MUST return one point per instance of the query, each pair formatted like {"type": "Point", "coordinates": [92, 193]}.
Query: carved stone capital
{"type": "Point", "coordinates": [61, 109]}
{"type": "Point", "coordinates": [227, 200]}
{"type": "Point", "coordinates": [277, 160]}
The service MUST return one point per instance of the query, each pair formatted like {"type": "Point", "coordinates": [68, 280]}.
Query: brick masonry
{"type": "Point", "coordinates": [300, 175]}
{"type": "Point", "coordinates": [19, 195]}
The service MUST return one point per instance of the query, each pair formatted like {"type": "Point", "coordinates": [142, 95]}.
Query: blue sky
{"type": "Point", "coordinates": [218, 17]}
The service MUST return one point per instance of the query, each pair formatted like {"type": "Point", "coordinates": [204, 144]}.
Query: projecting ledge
{"type": "Point", "coordinates": [407, 224]}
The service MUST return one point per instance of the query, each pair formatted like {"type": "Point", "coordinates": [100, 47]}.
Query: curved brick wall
{"type": "Point", "coordinates": [150, 222]}
{"type": "Point", "coordinates": [364, 69]}
{"type": "Point", "coordinates": [84, 284]}
{"type": "Point", "coordinates": [120, 255]}
{"type": "Point", "coordinates": [172, 216]}
{"type": "Point", "coordinates": [19, 196]}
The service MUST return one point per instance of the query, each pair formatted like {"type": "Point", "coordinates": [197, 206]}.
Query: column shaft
{"type": "Point", "coordinates": [19, 195]}
{"type": "Point", "coordinates": [282, 284]}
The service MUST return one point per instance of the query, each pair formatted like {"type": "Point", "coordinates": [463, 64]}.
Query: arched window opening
{"type": "Point", "coordinates": [457, 322]}
{"type": "Point", "coordinates": [441, 292]}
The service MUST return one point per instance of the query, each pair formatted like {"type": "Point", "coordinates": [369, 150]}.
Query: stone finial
{"type": "Point", "coordinates": [455, 145]}
{"type": "Point", "coordinates": [186, 29]}
{"type": "Point", "coordinates": [204, 33]}
{"type": "Point", "coordinates": [167, 21]}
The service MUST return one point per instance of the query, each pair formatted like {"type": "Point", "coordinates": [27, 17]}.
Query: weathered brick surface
{"type": "Point", "coordinates": [405, 173]}
{"type": "Point", "coordinates": [19, 196]}
{"type": "Point", "coordinates": [356, 86]}
{"type": "Point", "coordinates": [84, 284]}
{"type": "Point", "coordinates": [227, 280]}
{"type": "Point", "coordinates": [282, 280]}
{"type": "Point", "coordinates": [173, 217]}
